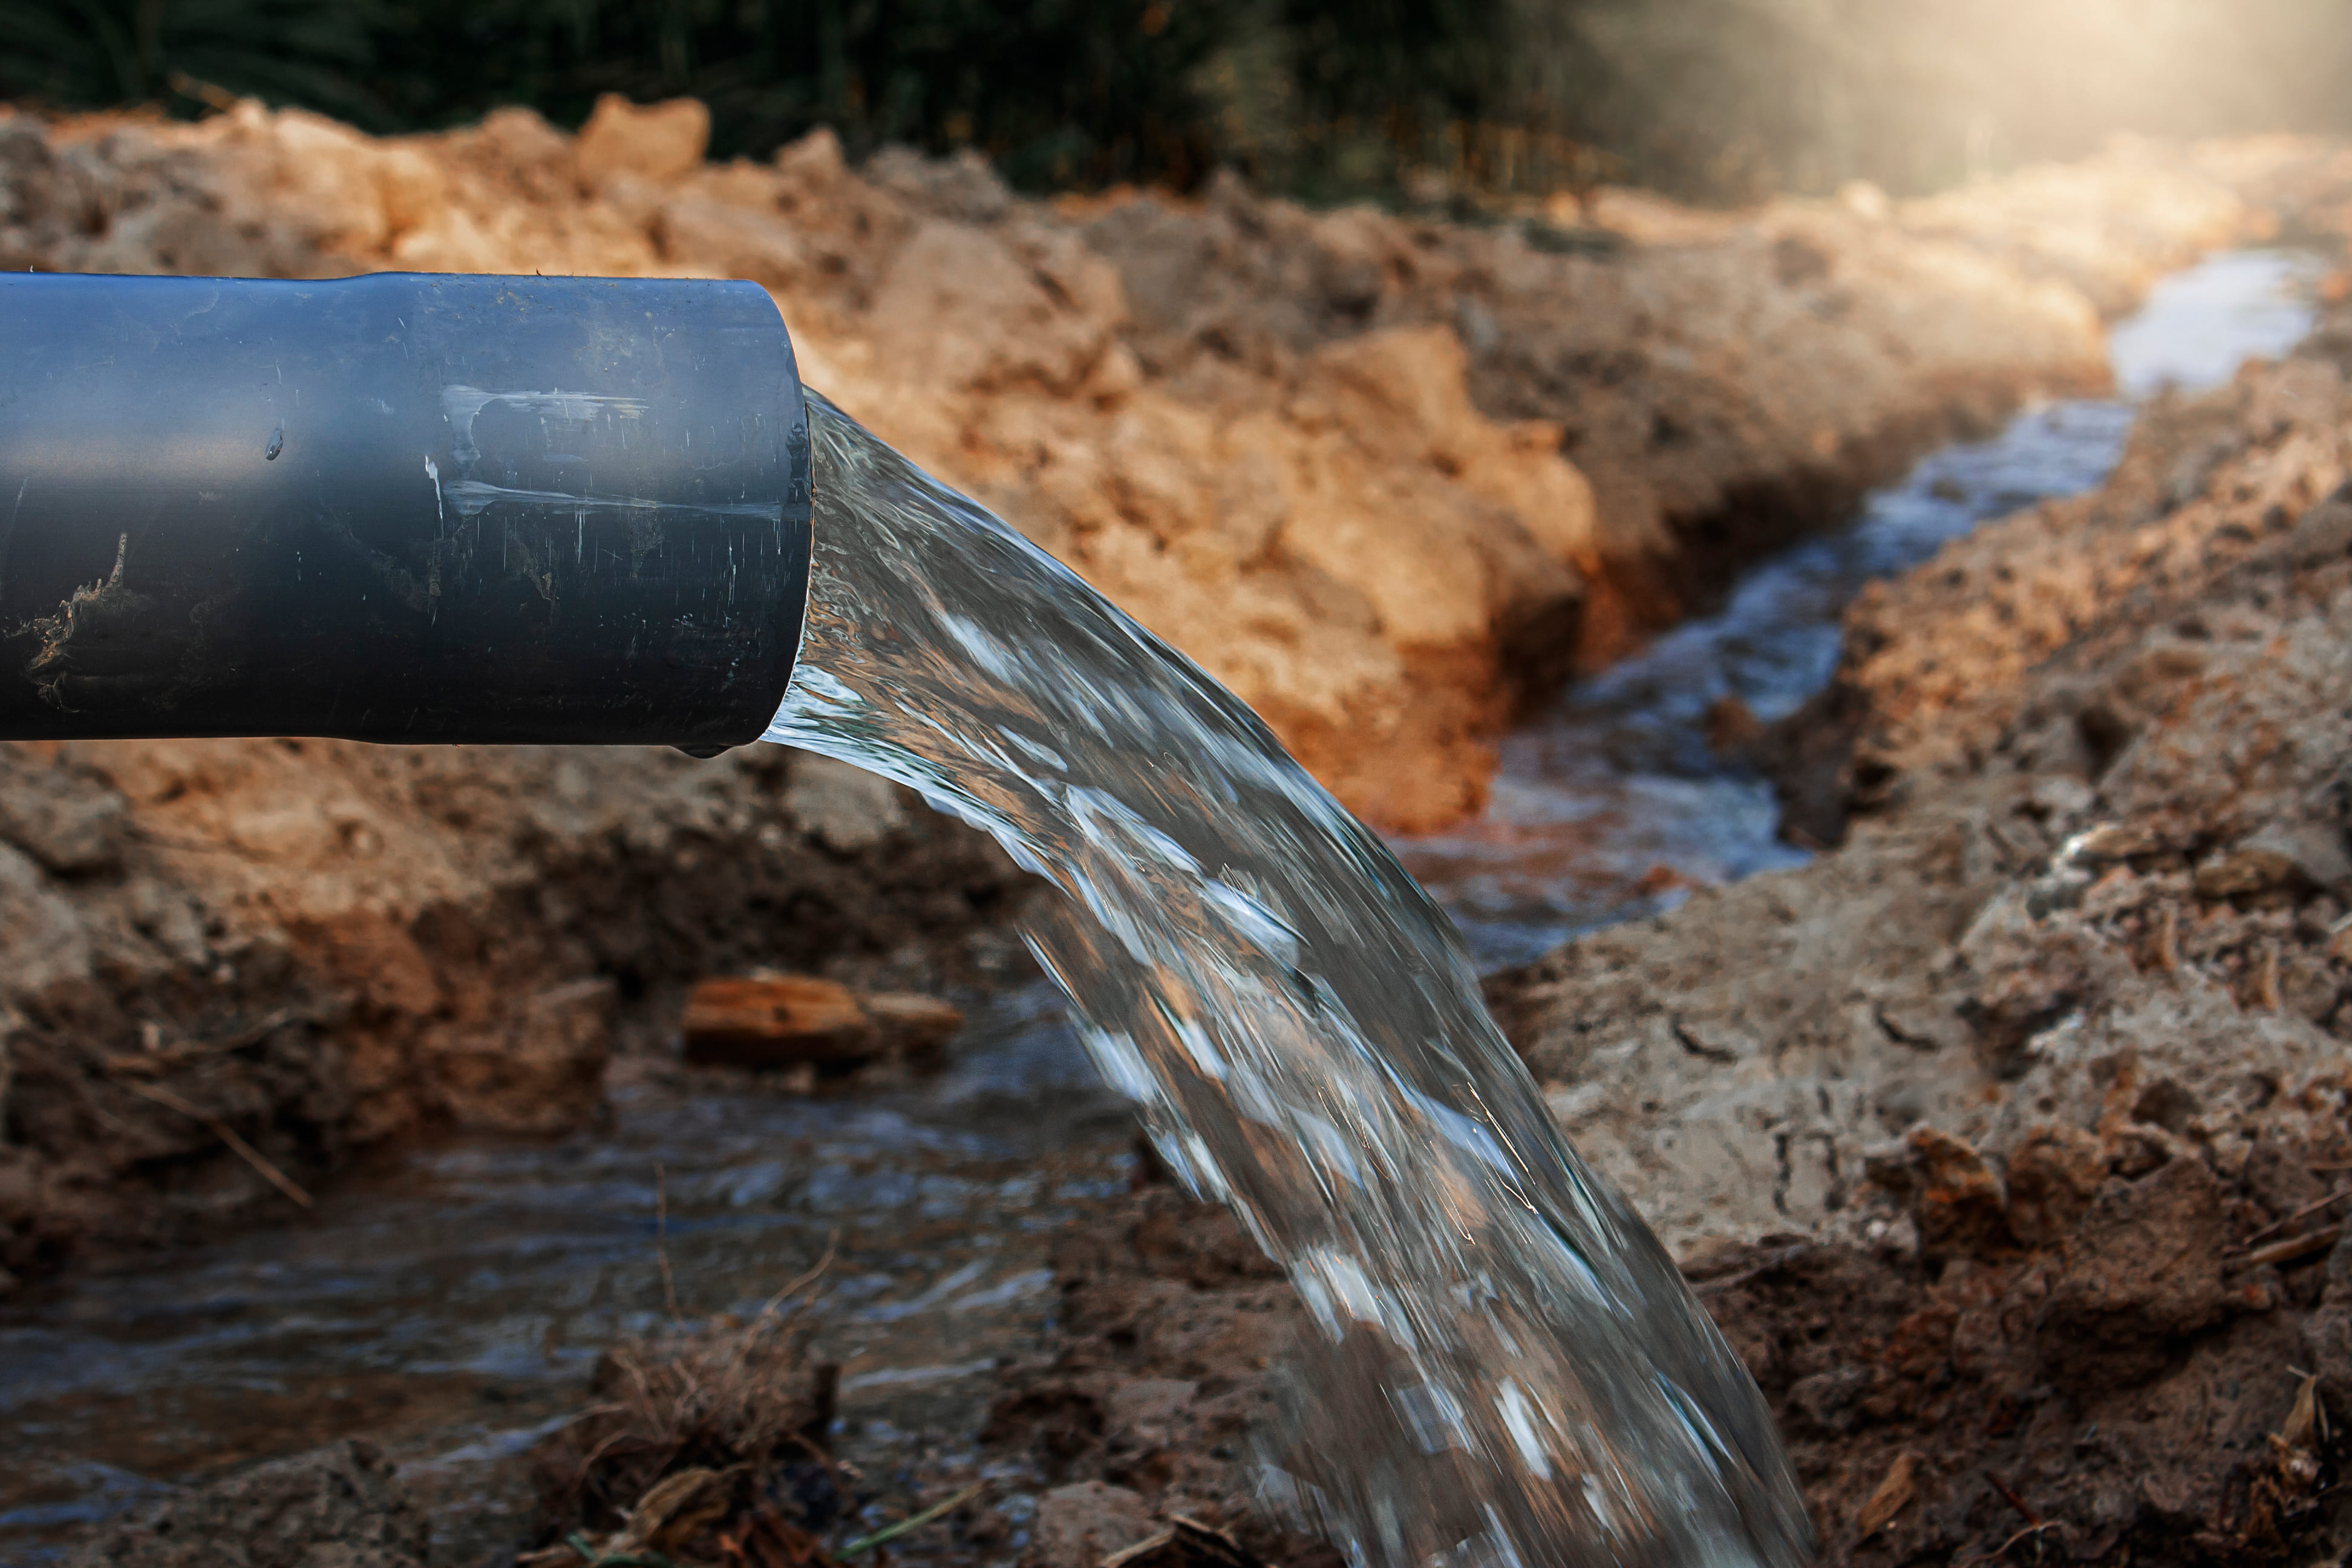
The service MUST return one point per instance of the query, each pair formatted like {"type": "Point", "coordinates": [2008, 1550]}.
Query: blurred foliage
{"type": "Point", "coordinates": [91, 53]}
{"type": "Point", "coordinates": [1059, 92]}
{"type": "Point", "coordinates": [1724, 100]}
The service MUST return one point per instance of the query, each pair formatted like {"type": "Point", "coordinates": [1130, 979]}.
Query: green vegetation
{"type": "Point", "coordinates": [1716, 99]}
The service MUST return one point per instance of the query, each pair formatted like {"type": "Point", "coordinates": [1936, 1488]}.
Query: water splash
{"type": "Point", "coordinates": [1510, 1370]}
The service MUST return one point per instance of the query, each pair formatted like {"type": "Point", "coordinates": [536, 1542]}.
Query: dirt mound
{"type": "Point", "coordinates": [1329, 455]}
{"type": "Point", "coordinates": [306, 948]}
{"type": "Point", "coordinates": [2009, 1138]}
{"type": "Point", "coordinates": [2122, 1392]}
{"type": "Point", "coordinates": [1387, 479]}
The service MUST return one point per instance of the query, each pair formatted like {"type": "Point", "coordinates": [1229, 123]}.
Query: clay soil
{"type": "Point", "coordinates": [2003, 1141]}
{"type": "Point", "coordinates": [1388, 477]}
{"type": "Point", "coordinates": [2036, 1090]}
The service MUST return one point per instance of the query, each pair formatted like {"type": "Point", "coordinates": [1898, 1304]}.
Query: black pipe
{"type": "Point", "coordinates": [402, 508]}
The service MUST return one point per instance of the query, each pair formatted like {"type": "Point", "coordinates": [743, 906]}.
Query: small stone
{"type": "Point", "coordinates": [2114, 841]}
{"type": "Point", "coordinates": [2241, 873]}
{"type": "Point", "coordinates": [2053, 1174]}
{"type": "Point", "coordinates": [2324, 532]}
{"type": "Point", "coordinates": [2314, 850]}
{"type": "Point", "coordinates": [777, 1021]}
{"type": "Point", "coordinates": [2142, 1269]}
{"type": "Point", "coordinates": [72, 822]}
{"type": "Point", "coordinates": [1958, 1203]}
{"type": "Point", "coordinates": [846, 809]}
{"type": "Point", "coordinates": [1831, 1401]}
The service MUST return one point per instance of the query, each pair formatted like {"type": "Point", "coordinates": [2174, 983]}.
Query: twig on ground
{"type": "Point", "coordinates": [165, 1058]}
{"type": "Point", "coordinates": [225, 1133]}
{"type": "Point", "coordinates": [889, 1532]}
{"type": "Point", "coordinates": [2001, 1551]}
{"type": "Point", "coordinates": [661, 1243]}
{"type": "Point", "coordinates": [2292, 1248]}
{"type": "Point", "coordinates": [2306, 1212]}
{"type": "Point", "coordinates": [645, 1558]}
{"type": "Point", "coordinates": [2008, 1494]}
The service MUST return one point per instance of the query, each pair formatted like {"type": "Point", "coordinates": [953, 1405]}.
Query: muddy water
{"type": "Point", "coordinates": [1630, 790]}
{"type": "Point", "coordinates": [452, 1305]}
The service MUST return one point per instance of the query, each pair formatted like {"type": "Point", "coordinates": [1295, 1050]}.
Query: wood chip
{"type": "Point", "coordinates": [917, 1026]}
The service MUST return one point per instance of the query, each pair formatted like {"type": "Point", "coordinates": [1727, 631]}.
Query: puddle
{"type": "Point", "coordinates": [453, 1307]}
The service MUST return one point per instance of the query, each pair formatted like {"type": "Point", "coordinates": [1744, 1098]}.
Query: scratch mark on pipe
{"type": "Point", "coordinates": [433, 472]}
{"type": "Point", "coordinates": [470, 496]}
{"type": "Point", "coordinates": [461, 404]}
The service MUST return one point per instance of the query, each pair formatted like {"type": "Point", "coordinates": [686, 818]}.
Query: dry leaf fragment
{"type": "Point", "coordinates": [1892, 1493]}
{"type": "Point", "coordinates": [2303, 1416]}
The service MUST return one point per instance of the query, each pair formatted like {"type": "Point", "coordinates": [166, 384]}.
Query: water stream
{"type": "Point", "coordinates": [1614, 803]}
{"type": "Point", "coordinates": [1301, 1026]}
{"type": "Point", "coordinates": [1515, 1372]}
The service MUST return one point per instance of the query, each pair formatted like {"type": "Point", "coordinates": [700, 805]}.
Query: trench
{"type": "Point", "coordinates": [451, 1305]}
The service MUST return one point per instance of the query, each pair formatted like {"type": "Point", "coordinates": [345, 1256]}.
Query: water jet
{"type": "Point", "coordinates": [408, 509]}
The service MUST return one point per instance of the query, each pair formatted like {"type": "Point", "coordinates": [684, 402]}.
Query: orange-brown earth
{"type": "Point", "coordinates": [2012, 1135]}
{"type": "Point", "coordinates": [1386, 479]}
{"type": "Point", "coordinates": [1972, 1129]}
{"type": "Point", "coordinates": [1389, 479]}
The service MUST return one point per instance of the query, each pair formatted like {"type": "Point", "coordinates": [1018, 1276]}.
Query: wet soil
{"type": "Point", "coordinates": [1947, 1312]}
{"type": "Point", "coordinates": [2081, 1349]}
{"type": "Point", "coordinates": [1390, 478]}
{"type": "Point", "coordinates": [238, 966]}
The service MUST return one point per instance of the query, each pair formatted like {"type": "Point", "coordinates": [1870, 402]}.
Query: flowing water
{"type": "Point", "coordinates": [1312, 1047]}
{"type": "Point", "coordinates": [1615, 803]}
{"type": "Point", "coordinates": [1515, 1371]}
